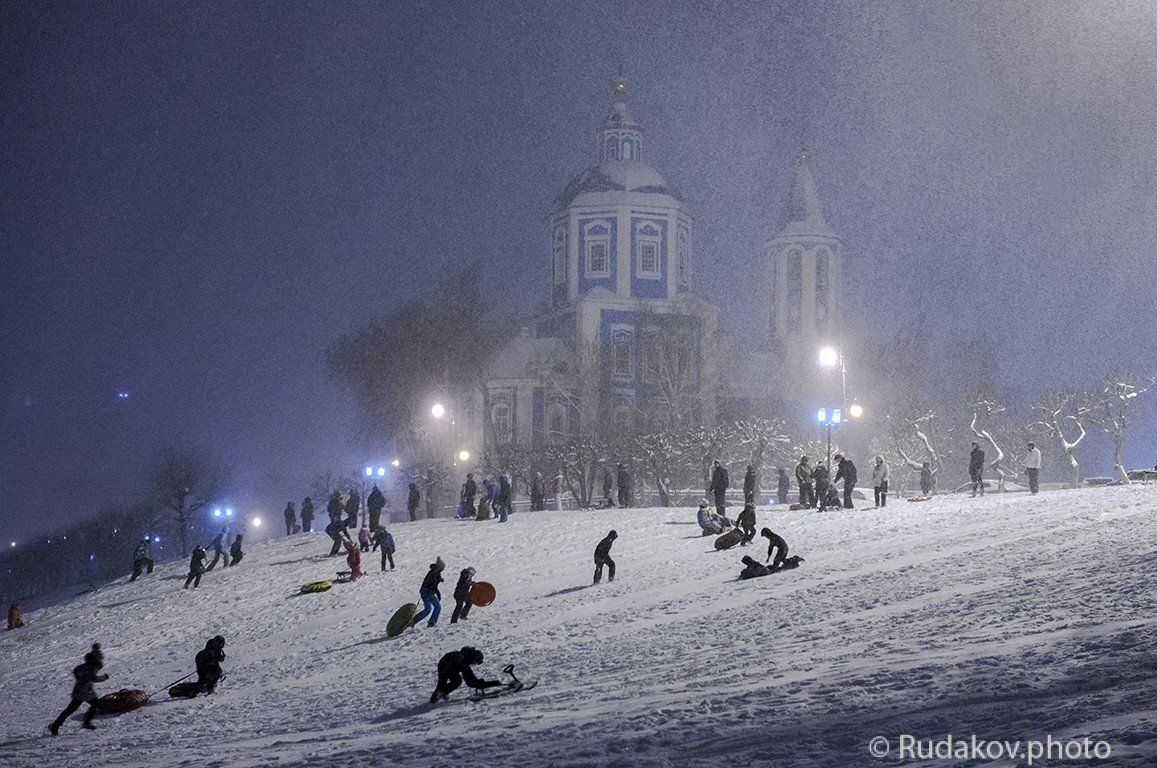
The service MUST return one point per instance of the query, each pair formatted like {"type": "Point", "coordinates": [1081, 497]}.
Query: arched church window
{"type": "Point", "coordinates": [794, 289]}
{"type": "Point", "coordinates": [628, 150]}
{"type": "Point", "coordinates": [559, 255]}
{"type": "Point", "coordinates": [622, 363]}
{"type": "Point", "coordinates": [683, 256]}
{"type": "Point", "coordinates": [500, 422]}
{"type": "Point", "coordinates": [823, 284]}
{"type": "Point", "coordinates": [556, 423]}
{"type": "Point", "coordinates": [648, 237]}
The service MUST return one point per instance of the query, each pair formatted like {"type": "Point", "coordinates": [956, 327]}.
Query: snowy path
{"type": "Point", "coordinates": [1008, 618]}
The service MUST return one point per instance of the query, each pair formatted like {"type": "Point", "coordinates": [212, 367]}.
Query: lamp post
{"type": "Point", "coordinates": [829, 417]}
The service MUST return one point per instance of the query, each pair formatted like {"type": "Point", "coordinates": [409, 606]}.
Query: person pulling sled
{"type": "Point", "coordinates": [208, 661]}
{"type": "Point", "coordinates": [83, 691]}
{"type": "Point", "coordinates": [454, 668]}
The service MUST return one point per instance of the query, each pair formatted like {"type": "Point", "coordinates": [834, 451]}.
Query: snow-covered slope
{"type": "Point", "coordinates": [1010, 617]}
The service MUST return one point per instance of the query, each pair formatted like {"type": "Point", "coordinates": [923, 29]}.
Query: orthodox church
{"type": "Point", "coordinates": [626, 345]}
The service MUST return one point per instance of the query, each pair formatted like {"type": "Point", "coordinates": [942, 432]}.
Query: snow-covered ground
{"type": "Point", "coordinates": [1009, 617]}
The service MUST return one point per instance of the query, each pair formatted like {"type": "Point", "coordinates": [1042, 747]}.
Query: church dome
{"type": "Point", "coordinates": [616, 176]}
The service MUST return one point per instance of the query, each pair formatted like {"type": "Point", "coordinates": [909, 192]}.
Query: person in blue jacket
{"type": "Point", "coordinates": [430, 594]}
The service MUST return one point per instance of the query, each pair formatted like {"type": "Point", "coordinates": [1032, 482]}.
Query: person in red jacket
{"type": "Point", "coordinates": [353, 559]}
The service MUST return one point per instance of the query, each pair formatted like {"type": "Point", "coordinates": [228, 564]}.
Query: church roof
{"type": "Point", "coordinates": [803, 214]}
{"type": "Point", "coordinates": [616, 176]}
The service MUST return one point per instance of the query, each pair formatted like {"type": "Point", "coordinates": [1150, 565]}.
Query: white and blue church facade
{"type": "Point", "coordinates": [626, 344]}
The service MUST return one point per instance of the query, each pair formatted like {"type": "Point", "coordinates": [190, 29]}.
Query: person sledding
{"type": "Point", "coordinates": [430, 594]}
{"type": "Point", "coordinates": [353, 559]}
{"type": "Point", "coordinates": [775, 546]}
{"type": "Point", "coordinates": [752, 569]}
{"type": "Point", "coordinates": [208, 662]}
{"type": "Point", "coordinates": [83, 690]}
{"type": "Point", "coordinates": [710, 523]}
{"type": "Point", "coordinates": [454, 668]}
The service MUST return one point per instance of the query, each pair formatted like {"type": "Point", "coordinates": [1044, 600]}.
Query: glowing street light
{"type": "Point", "coordinates": [829, 418]}
{"type": "Point", "coordinates": [829, 357]}
{"type": "Point", "coordinates": [464, 456]}
{"type": "Point", "coordinates": [257, 522]}
{"type": "Point", "coordinates": [856, 410]}
{"type": "Point", "coordinates": [395, 463]}
{"type": "Point", "coordinates": [438, 411]}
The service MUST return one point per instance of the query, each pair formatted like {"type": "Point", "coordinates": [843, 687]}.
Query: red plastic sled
{"type": "Point", "coordinates": [124, 700]}
{"type": "Point", "coordinates": [483, 593]}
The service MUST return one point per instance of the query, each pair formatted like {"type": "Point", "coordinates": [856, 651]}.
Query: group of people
{"type": "Point", "coordinates": [817, 488]}
{"type": "Point", "coordinates": [431, 595]}
{"type": "Point", "coordinates": [197, 563]}
{"type": "Point", "coordinates": [495, 501]}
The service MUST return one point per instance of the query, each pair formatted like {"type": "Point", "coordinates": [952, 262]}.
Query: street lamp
{"type": "Point", "coordinates": [438, 411]}
{"type": "Point", "coordinates": [829, 417]}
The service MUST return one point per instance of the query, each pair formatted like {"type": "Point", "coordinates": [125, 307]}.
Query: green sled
{"type": "Point", "coordinates": [401, 619]}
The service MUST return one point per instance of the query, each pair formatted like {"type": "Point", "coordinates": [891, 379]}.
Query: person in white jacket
{"type": "Point", "coordinates": [880, 481]}
{"type": "Point", "coordinates": [1032, 461]}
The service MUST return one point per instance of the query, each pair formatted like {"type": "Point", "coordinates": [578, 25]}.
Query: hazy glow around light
{"type": "Point", "coordinates": [822, 415]}
{"type": "Point", "coordinates": [381, 471]}
{"type": "Point", "coordinates": [829, 357]}
{"type": "Point", "coordinates": [463, 455]}
{"type": "Point", "coordinates": [856, 410]}
{"type": "Point", "coordinates": [438, 411]}
{"type": "Point", "coordinates": [395, 463]}
{"type": "Point", "coordinates": [257, 522]}
{"type": "Point", "coordinates": [369, 471]}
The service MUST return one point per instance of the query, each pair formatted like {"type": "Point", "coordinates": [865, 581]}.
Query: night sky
{"type": "Point", "coordinates": [198, 198]}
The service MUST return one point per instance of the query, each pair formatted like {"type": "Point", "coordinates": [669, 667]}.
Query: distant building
{"type": "Point", "coordinates": [626, 344]}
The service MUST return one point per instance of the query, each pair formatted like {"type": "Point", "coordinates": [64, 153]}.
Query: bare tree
{"type": "Point", "coordinates": [985, 409]}
{"type": "Point", "coordinates": [760, 439]}
{"type": "Point", "coordinates": [327, 482]}
{"type": "Point", "coordinates": [916, 437]}
{"type": "Point", "coordinates": [1056, 411]}
{"type": "Point", "coordinates": [183, 483]}
{"type": "Point", "coordinates": [1119, 393]}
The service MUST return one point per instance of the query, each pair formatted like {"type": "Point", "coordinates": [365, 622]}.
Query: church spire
{"type": "Point", "coordinates": [803, 214]}
{"type": "Point", "coordinates": [620, 137]}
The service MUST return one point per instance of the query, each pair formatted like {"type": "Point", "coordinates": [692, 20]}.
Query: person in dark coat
{"type": "Point", "coordinates": [307, 514]}
{"type": "Point", "coordinates": [353, 506]}
{"type": "Point", "coordinates": [820, 478]}
{"type": "Point", "coordinates": [15, 618]}
{"type": "Point", "coordinates": [775, 545]}
{"type": "Point", "coordinates": [750, 480]}
{"type": "Point", "coordinates": [375, 503]}
{"type": "Point", "coordinates": [746, 523]}
{"type": "Point", "coordinates": [83, 690]}
{"type": "Point", "coordinates": [504, 494]}
{"type": "Point", "coordinates": [538, 493]}
{"type": "Point", "coordinates": [290, 518]}
{"type": "Point", "coordinates": [603, 557]}
{"type": "Point", "coordinates": [719, 485]}
{"type": "Point", "coordinates": [846, 471]}
{"type": "Point", "coordinates": [141, 559]}
{"type": "Point", "coordinates": [454, 668]}
{"type": "Point", "coordinates": [196, 567]}
{"type": "Point", "coordinates": [208, 662]}
{"type": "Point", "coordinates": [623, 478]}
{"type": "Point", "coordinates": [609, 487]}
{"type": "Point", "coordinates": [218, 547]}
{"type": "Point", "coordinates": [412, 502]}
{"type": "Point", "coordinates": [752, 569]}
{"type": "Point", "coordinates": [926, 479]}
{"type": "Point", "coordinates": [334, 506]}
{"type": "Point", "coordinates": [783, 486]}
{"type": "Point", "coordinates": [462, 595]}
{"type": "Point", "coordinates": [336, 530]}
{"type": "Point", "coordinates": [235, 551]}
{"type": "Point", "coordinates": [383, 539]}
{"type": "Point", "coordinates": [430, 594]}
{"type": "Point", "coordinates": [976, 469]}
{"type": "Point", "coordinates": [469, 491]}
{"type": "Point", "coordinates": [804, 478]}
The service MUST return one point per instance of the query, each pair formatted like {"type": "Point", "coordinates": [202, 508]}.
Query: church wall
{"type": "Point", "coordinates": [649, 230]}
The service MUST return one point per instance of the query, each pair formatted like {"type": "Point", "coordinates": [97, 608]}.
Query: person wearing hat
{"type": "Point", "coordinates": [820, 478]}
{"type": "Point", "coordinates": [845, 471]}
{"type": "Point", "coordinates": [603, 557]}
{"type": "Point", "coordinates": [720, 482]}
{"type": "Point", "coordinates": [83, 690]}
{"type": "Point", "coordinates": [746, 523]}
{"type": "Point", "coordinates": [455, 667]}
{"type": "Point", "coordinates": [141, 559]}
{"type": "Point", "coordinates": [976, 469]}
{"type": "Point", "coordinates": [208, 661]}
{"type": "Point", "coordinates": [462, 595]}
{"type": "Point", "coordinates": [750, 479]}
{"type": "Point", "coordinates": [803, 478]}
{"type": "Point", "coordinates": [1032, 463]}
{"type": "Point", "coordinates": [783, 486]}
{"type": "Point", "coordinates": [623, 480]}
{"type": "Point", "coordinates": [430, 594]}
{"type": "Point", "coordinates": [753, 569]}
{"type": "Point", "coordinates": [290, 518]}
{"type": "Point", "coordinates": [880, 482]}
{"type": "Point", "coordinates": [710, 524]}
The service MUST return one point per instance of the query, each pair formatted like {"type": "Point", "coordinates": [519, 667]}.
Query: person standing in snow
{"type": "Point", "coordinates": [803, 478]}
{"type": "Point", "coordinates": [430, 594]}
{"type": "Point", "coordinates": [375, 503]}
{"type": "Point", "coordinates": [307, 514]}
{"type": "Point", "coordinates": [880, 482]}
{"type": "Point", "coordinates": [336, 531]}
{"type": "Point", "coordinates": [353, 507]}
{"type": "Point", "coordinates": [364, 538]}
{"type": "Point", "coordinates": [83, 690]}
{"type": "Point", "coordinates": [1032, 464]}
{"type": "Point", "coordinates": [926, 479]}
{"type": "Point", "coordinates": [412, 502]}
{"type": "Point", "coordinates": [290, 518]}
{"type": "Point", "coordinates": [353, 559]}
{"type": "Point", "coordinates": [608, 488]}
{"type": "Point", "coordinates": [208, 661]}
{"type": "Point", "coordinates": [719, 485]}
{"type": "Point", "coordinates": [783, 486]}
{"type": "Point", "coordinates": [538, 492]}
{"type": "Point", "coordinates": [775, 545]}
{"type": "Point", "coordinates": [334, 507]}
{"type": "Point", "coordinates": [15, 618]}
{"type": "Point", "coordinates": [383, 539]}
{"type": "Point", "coordinates": [976, 469]}
{"type": "Point", "coordinates": [141, 559]}
{"type": "Point", "coordinates": [750, 480]}
{"type": "Point", "coordinates": [623, 478]}
{"type": "Point", "coordinates": [218, 547]}
{"type": "Point", "coordinates": [455, 667]}
{"type": "Point", "coordinates": [746, 523]}
{"type": "Point", "coordinates": [462, 595]}
{"type": "Point", "coordinates": [847, 472]}
{"type": "Point", "coordinates": [196, 567]}
{"type": "Point", "coordinates": [235, 551]}
{"type": "Point", "coordinates": [469, 491]}
{"type": "Point", "coordinates": [504, 494]}
{"type": "Point", "coordinates": [820, 478]}
{"type": "Point", "coordinates": [603, 557]}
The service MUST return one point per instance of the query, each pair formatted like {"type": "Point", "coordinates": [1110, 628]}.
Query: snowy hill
{"type": "Point", "coordinates": [1009, 617]}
